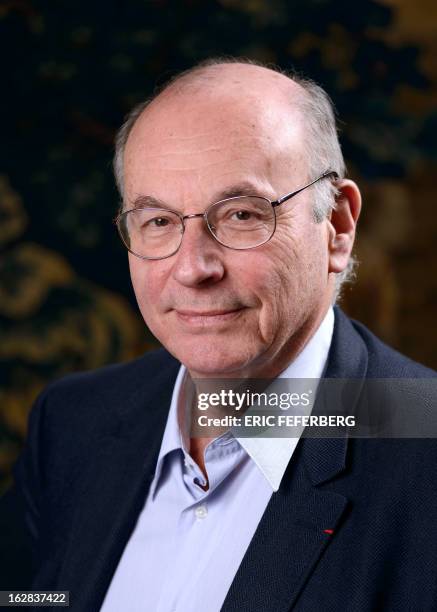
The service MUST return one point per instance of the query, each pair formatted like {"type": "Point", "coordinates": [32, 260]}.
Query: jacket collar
{"type": "Point", "coordinates": [347, 360]}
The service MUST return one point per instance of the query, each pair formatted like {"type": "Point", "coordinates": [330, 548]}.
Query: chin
{"type": "Point", "coordinates": [204, 359]}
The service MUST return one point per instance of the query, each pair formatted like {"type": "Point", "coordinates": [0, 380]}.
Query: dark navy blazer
{"type": "Point", "coordinates": [353, 527]}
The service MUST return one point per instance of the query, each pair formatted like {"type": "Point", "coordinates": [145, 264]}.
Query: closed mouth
{"type": "Point", "coordinates": [206, 317]}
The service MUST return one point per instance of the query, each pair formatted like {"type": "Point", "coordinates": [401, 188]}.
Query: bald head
{"type": "Point", "coordinates": [246, 88]}
{"type": "Point", "coordinates": [264, 89]}
{"type": "Point", "coordinates": [234, 79]}
{"type": "Point", "coordinates": [221, 110]}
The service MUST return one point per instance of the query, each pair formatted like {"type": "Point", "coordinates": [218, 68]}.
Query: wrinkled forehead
{"type": "Point", "coordinates": [200, 130]}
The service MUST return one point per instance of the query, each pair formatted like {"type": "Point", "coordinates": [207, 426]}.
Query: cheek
{"type": "Point", "coordinates": [289, 277]}
{"type": "Point", "coordinates": [147, 283]}
{"type": "Point", "coordinates": [269, 278]}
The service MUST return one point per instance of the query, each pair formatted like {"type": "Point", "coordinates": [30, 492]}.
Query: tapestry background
{"type": "Point", "coordinates": [69, 73]}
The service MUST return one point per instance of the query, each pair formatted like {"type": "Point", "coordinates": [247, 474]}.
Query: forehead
{"type": "Point", "coordinates": [216, 137]}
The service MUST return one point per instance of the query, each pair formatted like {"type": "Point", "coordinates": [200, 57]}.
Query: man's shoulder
{"type": "Point", "coordinates": [108, 390]}
{"type": "Point", "coordinates": [386, 361]}
{"type": "Point", "coordinates": [383, 361]}
{"type": "Point", "coordinates": [80, 414]}
{"type": "Point", "coordinates": [107, 378]}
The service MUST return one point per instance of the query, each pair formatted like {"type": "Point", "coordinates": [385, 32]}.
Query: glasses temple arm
{"type": "Point", "coordinates": [293, 193]}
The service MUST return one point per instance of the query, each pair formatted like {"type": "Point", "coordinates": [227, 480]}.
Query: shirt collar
{"type": "Point", "coordinates": [172, 438]}
{"type": "Point", "coordinates": [271, 455]}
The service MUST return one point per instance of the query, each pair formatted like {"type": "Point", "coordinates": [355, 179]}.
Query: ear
{"type": "Point", "coordinates": [342, 224]}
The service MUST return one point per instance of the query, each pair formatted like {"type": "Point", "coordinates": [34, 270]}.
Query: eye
{"type": "Point", "coordinates": [159, 221]}
{"type": "Point", "coordinates": [243, 215]}
{"type": "Point", "coordinates": [152, 223]}
{"type": "Point", "coordinates": [155, 223]}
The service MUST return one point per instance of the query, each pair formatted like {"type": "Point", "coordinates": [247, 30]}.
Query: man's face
{"type": "Point", "coordinates": [223, 312]}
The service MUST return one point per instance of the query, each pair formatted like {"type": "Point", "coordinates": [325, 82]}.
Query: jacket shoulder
{"type": "Point", "coordinates": [108, 379]}
{"type": "Point", "coordinates": [91, 399]}
{"type": "Point", "coordinates": [386, 362]}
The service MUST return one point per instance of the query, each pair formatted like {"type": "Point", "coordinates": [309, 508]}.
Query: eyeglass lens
{"type": "Point", "coordinates": [238, 223]}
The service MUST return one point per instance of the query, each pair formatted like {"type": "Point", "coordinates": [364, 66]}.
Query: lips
{"type": "Point", "coordinates": [206, 313]}
{"type": "Point", "coordinates": [207, 317]}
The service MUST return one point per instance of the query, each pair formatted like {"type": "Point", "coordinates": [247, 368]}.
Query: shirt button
{"type": "Point", "coordinates": [201, 512]}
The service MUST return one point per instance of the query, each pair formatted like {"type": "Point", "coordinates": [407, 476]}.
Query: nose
{"type": "Point", "coordinates": [199, 258]}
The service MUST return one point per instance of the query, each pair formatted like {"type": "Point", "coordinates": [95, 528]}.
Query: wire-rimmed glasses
{"type": "Point", "coordinates": [239, 223]}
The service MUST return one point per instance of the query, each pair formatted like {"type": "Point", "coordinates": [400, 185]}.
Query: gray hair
{"type": "Point", "coordinates": [323, 149]}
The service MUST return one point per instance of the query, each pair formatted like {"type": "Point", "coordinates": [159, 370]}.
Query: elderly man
{"type": "Point", "coordinates": [240, 226]}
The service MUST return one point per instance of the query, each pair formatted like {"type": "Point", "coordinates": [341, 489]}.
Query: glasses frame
{"type": "Point", "coordinates": [274, 204]}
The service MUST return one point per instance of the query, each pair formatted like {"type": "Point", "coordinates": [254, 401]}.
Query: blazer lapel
{"type": "Point", "coordinates": [302, 518]}
{"type": "Point", "coordinates": [114, 492]}
{"type": "Point", "coordinates": [290, 539]}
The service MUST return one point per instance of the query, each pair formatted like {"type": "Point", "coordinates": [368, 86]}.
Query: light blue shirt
{"type": "Point", "coordinates": [188, 543]}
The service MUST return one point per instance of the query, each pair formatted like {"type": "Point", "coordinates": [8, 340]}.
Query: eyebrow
{"type": "Point", "coordinates": [244, 188]}
{"type": "Point", "coordinates": [147, 201]}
